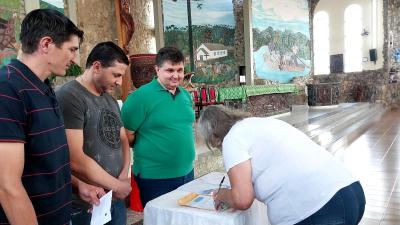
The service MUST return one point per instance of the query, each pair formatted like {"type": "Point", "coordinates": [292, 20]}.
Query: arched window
{"type": "Point", "coordinates": [352, 38]}
{"type": "Point", "coordinates": [321, 43]}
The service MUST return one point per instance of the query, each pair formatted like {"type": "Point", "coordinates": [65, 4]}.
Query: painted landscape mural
{"type": "Point", "coordinates": [9, 30]}
{"type": "Point", "coordinates": [52, 4]}
{"type": "Point", "coordinates": [281, 40]}
{"type": "Point", "coordinates": [213, 37]}
{"type": "Point", "coordinates": [10, 22]}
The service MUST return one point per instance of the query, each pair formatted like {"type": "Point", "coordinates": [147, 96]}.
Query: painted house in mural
{"type": "Point", "coordinates": [208, 51]}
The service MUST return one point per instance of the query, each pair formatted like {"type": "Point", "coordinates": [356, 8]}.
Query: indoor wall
{"type": "Point", "coordinates": [373, 24]}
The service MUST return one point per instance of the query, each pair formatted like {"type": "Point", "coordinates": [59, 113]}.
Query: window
{"type": "Point", "coordinates": [352, 38]}
{"type": "Point", "coordinates": [321, 43]}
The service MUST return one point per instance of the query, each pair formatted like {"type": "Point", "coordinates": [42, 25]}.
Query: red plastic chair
{"type": "Point", "coordinates": [213, 96]}
{"type": "Point", "coordinates": [197, 103]}
{"type": "Point", "coordinates": [195, 95]}
{"type": "Point", "coordinates": [204, 96]}
{"type": "Point", "coordinates": [208, 96]}
{"type": "Point", "coordinates": [135, 203]}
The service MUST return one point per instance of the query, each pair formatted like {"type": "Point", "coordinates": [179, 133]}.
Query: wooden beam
{"type": "Point", "coordinates": [126, 86]}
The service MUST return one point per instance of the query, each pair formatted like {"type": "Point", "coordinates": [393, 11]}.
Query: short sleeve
{"type": "Point", "coordinates": [234, 149]}
{"type": "Point", "coordinates": [188, 95]}
{"type": "Point", "coordinates": [13, 116]}
{"type": "Point", "coordinates": [116, 105]}
{"type": "Point", "coordinates": [72, 108]}
{"type": "Point", "coordinates": [133, 111]}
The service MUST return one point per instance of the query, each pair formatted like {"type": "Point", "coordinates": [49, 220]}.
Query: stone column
{"type": "Point", "coordinates": [239, 36]}
{"type": "Point", "coordinates": [392, 33]}
{"type": "Point", "coordinates": [311, 7]}
{"type": "Point", "coordinates": [239, 31]}
{"type": "Point", "coordinates": [98, 22]}
{"type": "Point", "coordinates": [143, 40]}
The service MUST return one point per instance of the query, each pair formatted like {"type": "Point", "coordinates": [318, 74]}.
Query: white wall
{"type": "Point", "coordinates": [335, 10]}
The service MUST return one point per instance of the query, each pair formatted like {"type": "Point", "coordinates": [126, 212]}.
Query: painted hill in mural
{"type": "Point", "coordinates": [281, 55]}
{"type": "Point", "coordinates": [46, 5]}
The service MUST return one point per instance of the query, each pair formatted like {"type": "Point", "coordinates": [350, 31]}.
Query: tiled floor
{"type": "Point", "coordinates": [374, 158]}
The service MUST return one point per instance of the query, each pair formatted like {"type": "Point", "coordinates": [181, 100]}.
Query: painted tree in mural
{"type": "Point", "coordinates": [199, 3]}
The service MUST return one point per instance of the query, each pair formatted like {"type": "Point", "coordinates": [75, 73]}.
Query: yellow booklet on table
{"type": "Point", "coordinates": [200, 201]}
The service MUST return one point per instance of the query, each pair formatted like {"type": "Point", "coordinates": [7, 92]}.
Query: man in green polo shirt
{"type": "Point", "coordinates": [159, 120]}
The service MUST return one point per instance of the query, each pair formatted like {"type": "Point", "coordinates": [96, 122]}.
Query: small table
{"type": "Point", "coordinates": [165, 210]}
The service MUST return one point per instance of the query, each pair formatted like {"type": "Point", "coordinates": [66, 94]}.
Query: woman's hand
{"type": "Point", "coordinates": [221, 198]}
{"type": "Point", "coordinates": [217, 202]}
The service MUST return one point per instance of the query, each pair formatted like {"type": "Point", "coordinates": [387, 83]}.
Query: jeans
{"type": "Point", "coordinates": [346, 207]}
{"type": "Point", "coordinates": [153, 188]}
{"type": "Point", "coordinates": [118, 214]}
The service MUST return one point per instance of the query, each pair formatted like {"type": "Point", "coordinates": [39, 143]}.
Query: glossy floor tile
{"type": "Point", "coordinates": [374, 158]}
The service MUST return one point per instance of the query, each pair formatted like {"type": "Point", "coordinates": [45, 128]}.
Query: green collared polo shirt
{"type": "Point", "coordinates": [163, 126]}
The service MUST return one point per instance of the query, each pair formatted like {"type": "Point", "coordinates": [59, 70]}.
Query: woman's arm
{"type": "Point", "coordinates": [241, 195]}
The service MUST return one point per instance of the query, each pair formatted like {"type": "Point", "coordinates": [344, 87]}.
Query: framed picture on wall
{"type": "Point", "coordinates": [336, 63]}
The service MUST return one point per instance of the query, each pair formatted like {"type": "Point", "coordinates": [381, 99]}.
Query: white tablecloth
{"type": "Point", "coordinates": [165, 210]}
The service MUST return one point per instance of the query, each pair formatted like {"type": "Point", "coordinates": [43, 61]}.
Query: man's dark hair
{"type": "Point", "coordinates": [106, 53]}
{"type": "Point", "coordinates": [46, 22]}
{"type": "Point", "coordinates": [170, 54]}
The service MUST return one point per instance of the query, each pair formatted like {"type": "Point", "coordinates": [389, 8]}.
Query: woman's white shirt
{"type": "Point", "coordinates": [291, 174]}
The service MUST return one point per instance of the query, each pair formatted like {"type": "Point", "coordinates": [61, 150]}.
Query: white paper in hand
{"type": "Point", "coordinates": [102, 213]}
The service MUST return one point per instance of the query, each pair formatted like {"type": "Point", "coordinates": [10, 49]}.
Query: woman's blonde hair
{"type": "Point", "coordinates": [215, 122]}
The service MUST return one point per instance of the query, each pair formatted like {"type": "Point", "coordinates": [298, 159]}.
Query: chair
{"type": "Point", "coordinates": [208, 96]}
{"type": "Point", "coordinates": [204, 96]}
{"type": "Point", "coordinates": [213, 96]}
{"type": "Point", "coordinates": [195, 96]}
{"type": "Point", "coordinates": [196, 102]}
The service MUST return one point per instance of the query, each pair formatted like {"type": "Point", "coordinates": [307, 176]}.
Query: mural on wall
{"type": "Point", "coordinates": [9, 30]}
{"type": "Point", "coordinates": [10, 25]}
{"type": "Point", "coordinates": [52, 4]}
{"type": "Point", "coordinates": [281, 39]}
{"type": "Point", "coordinates": [213, 28]}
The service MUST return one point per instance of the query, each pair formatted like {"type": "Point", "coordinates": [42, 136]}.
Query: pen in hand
{"type": "Point", "coordinates": [220, 184]}
{"type": "Point", "coordinates": [218, 203]}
